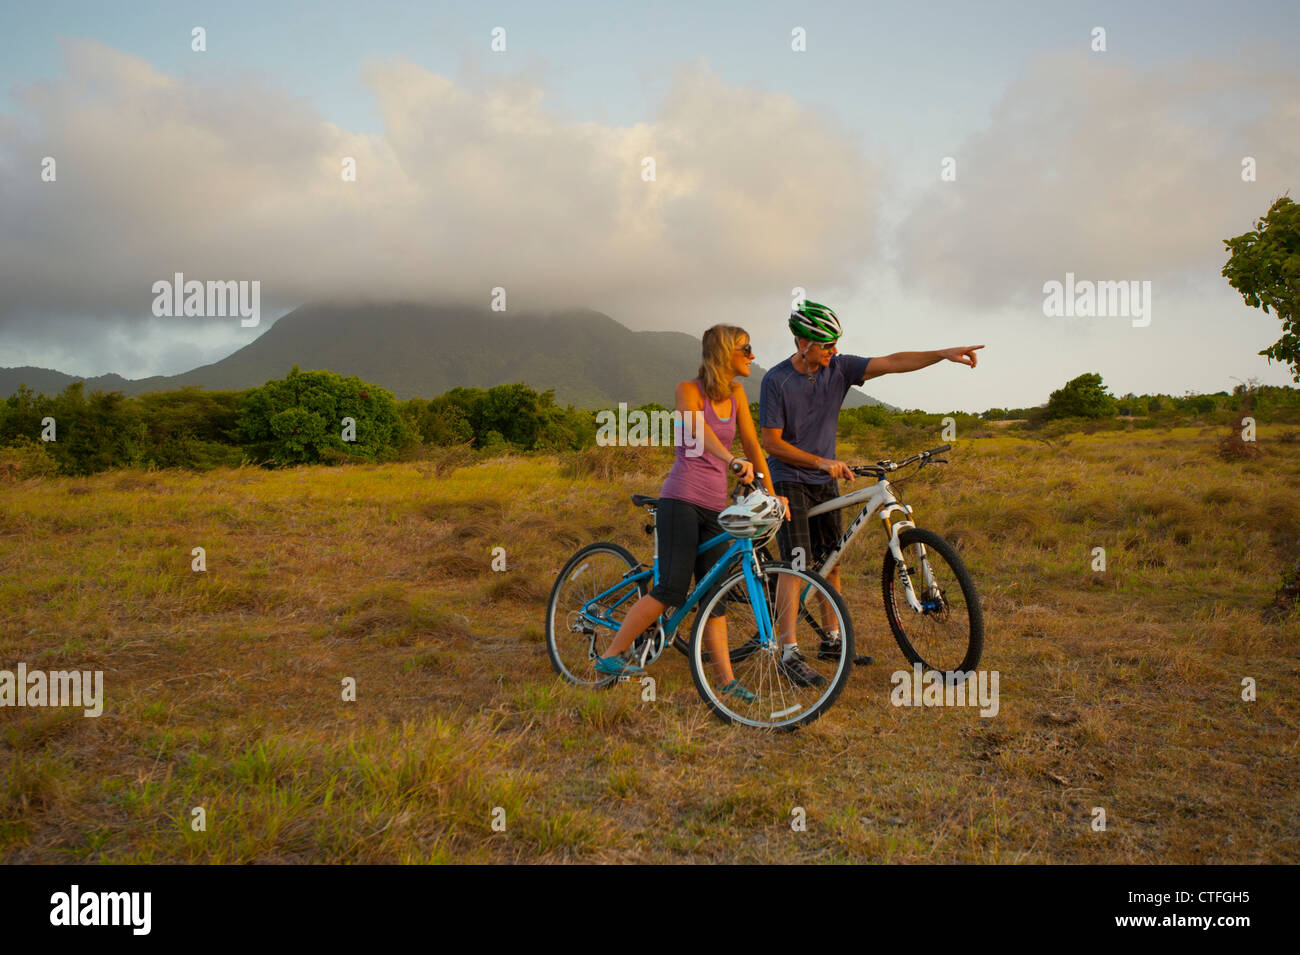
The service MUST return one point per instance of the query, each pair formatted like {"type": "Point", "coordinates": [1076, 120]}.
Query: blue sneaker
{"type": "Point", "coordinates": [736, 689]}
{"type": "Point", "coordinates": [616, 666]}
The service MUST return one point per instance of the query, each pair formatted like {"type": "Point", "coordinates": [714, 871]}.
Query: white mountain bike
{"type": "Point", "coordinates": [930, 600]}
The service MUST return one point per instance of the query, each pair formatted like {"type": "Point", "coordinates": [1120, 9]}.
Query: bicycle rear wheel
{"type": "Point", "coordinates": [589, 600]}
{"type": "Point", "coordinates": [785, 696]}
{"type": "Point", "coordinates": [948, 634]}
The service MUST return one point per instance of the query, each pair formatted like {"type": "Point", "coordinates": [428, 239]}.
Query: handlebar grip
{"type": "Point", "coordinates": [735, 467]}
{"type": "Point", "coordinates": [939, 450]}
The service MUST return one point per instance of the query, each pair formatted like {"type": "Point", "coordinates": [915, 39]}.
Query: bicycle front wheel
{"type": "Point", "coordinates": [589, 600]}
{"type": "Point", "coordinates": [747, 680]}
{"type": "Point", "coordinates": [947, 634]}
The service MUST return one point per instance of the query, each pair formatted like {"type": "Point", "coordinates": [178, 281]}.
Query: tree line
{"type": "Point", "coordinates": [314, 417]}
{"type": "Point", "coordinates": [307, 417]}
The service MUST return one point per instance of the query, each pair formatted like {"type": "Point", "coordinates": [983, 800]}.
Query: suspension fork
{"type": "Point", "coordinates": [897, 518]}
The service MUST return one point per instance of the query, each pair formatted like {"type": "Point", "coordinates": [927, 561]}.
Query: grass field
{"type": "Point", "coordinates": [1120, 690]}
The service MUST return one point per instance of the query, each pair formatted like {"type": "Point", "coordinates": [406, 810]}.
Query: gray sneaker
{"type": "Point", "coordinates": [831, 650]}
{"type": "Point", "coordinates": [797, 671]}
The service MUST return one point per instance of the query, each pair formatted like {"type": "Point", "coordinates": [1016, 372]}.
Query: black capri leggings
{"type": "Point", "coordinates": [680, 528]}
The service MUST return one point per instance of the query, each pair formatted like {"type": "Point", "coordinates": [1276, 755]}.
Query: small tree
{"type": "Point", "coordinates": [1264, 266]}
{"type": "Point", "coordinates": [95, 433]}
{"type": "Point", "coordinates": [299, 419]}
{"type": "Point", "coordinates": [1234, 445]}
{"type": "Point", "coordinates": [442, 421]}
{"type": "Point", "coordinates": [20, 415]}
{"type": "Point", "coordinates": [1083, 397]}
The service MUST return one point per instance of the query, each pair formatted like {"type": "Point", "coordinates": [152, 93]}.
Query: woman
{"type": "Point", "coordinates": [694, 493]}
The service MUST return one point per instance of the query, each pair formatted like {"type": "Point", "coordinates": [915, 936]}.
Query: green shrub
{"type": "Point", "coordinates": [1082, 397]}
{"type": "Point", "coordinates": [299, 420]}
{"type": "Point", "coordinates": [96, 433]}
{"type": "Point", "coordinates": [26, 458]}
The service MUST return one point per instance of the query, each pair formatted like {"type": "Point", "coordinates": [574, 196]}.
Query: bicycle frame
{"type": "Point", "coordinates": [741, 549]}
{"type": "Point", "coordinates": [896, 517]}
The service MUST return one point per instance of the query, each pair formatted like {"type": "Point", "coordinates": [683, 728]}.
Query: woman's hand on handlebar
{"type": "Point", "coordinates": [743, 469]}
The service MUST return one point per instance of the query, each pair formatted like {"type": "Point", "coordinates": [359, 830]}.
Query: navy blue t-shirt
{"type": "Point", "coordinates": [807, 411]}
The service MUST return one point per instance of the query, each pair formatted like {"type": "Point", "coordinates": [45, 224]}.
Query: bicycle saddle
{"type": "Point", "coordinates": [644, 500]}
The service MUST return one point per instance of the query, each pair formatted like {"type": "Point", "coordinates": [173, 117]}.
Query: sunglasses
{"type": "Point", "coordinates": [747, 349]}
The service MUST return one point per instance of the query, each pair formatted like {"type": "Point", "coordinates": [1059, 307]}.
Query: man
{"type": "Point", "coordinates": [799, 408]}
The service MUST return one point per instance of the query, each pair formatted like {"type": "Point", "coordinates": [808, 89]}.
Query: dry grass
{"type": "Point", "coordinates": [1119, 690]}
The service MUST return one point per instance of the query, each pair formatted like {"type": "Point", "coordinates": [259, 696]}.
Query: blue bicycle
{"type": "Point", "coordinates": [747, 611]}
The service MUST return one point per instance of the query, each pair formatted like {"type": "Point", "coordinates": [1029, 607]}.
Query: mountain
{"type": "Point", "coordinates": [416, 350]}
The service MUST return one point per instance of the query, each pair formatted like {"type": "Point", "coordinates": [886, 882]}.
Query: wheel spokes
{"type": "Point", "coordinates": [785, 691]}
{"type": "Point", "coordinates": [940, 634]}
{"type": "Point", "coordinates": [589, 603]}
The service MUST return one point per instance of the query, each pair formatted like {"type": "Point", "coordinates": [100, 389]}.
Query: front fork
{"type": "Point", "coordinates": [897, 518]}
{"type": "Point", "coordinates": [754, 578]}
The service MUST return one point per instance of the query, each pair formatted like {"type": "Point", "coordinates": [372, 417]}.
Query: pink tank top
{"type": "Point", "coordinates": [702, 479]}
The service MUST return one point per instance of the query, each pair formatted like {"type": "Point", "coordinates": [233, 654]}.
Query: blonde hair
{"type": "Point", "coordinates": [716, 349]}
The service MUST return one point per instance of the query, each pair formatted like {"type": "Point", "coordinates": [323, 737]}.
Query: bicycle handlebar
{"type": "Point", "coordinates": [880, 468]}
{"type": "Point", "coordinates": [751, 485]}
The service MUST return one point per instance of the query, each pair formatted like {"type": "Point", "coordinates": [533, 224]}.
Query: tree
{"type": "Point", "coordinates": [21, 414]}
{"type": "Point", "coordinates": [528, 419]}
{"type": "Point", "coordinates": [443, 421]}
{"type": "Point", "coordinates": [190, 427]}
{"type": "Point", "coordinates": [1083, 397]}
{"type": "Point", "coordinates": [299, 419]}
{"type": "Point", "coordinates": [515, 412]}
{"type": "Point", "coordinates": [95, 433]}
{"type": "Point", "coordinates": [1264, 266]}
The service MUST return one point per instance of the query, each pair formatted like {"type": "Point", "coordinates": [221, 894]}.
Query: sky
{"type": "Point", "coordinates": [925, 169]}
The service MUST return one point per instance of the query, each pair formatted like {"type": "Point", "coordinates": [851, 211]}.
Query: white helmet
{"type": "Point", "coordinates": [757, 515]}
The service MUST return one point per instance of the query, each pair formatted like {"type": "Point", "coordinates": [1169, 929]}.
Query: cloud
{"type": "Point", "coordinates": [464, 190]}
{"type": "Point", "coordinates": [1094, 165]}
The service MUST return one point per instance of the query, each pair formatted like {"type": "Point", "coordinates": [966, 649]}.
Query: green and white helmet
{"type": "Point", "coordinates": [814, 322]}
